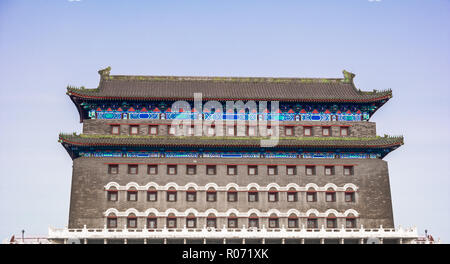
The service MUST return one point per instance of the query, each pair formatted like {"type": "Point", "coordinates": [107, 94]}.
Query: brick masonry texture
{"type": "Point", "coordinates": [90, 175]}
{"type": "Point", "coordinates": [356, 129]}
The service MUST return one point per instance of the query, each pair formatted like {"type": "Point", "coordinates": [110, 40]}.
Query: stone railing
{"type": "Point", "coordinates": [241, 233]}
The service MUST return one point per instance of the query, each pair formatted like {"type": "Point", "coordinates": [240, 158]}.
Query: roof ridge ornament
{"type": "Point", "coordinates": [105, 72]}
{"type": "Point", "coordinates": [348, 76]}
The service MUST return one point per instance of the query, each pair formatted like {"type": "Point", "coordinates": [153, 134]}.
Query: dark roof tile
{"type": "Point", "coordinates": [228, 88]}
{"type": "Point", "coordinates": [99, 140]}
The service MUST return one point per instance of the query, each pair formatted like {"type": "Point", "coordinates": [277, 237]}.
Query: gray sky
{"type": "Point", "coordinates": [46, 45]}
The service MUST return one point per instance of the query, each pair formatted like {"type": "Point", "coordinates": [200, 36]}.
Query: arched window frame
{"type": "Point", "coordinates": [293, 221]}
{"type": "Point", "coordinates": [232, 195]}
{"type": "Point", "coordinates": [191, 221]}
{"type": "Point", "coordinates": [152, 221]}
{"type": "Point", "coordinates": [112, 194]}
{"type": "Point", "coordinates": [253, 221]}
{"type": "Point", "coordinates": [171, 221]}
{"type": "Point", "coordinates": [211, 195]}
{"type": "Point", "coordinates": [132, 194]}
{"type": "Point", "coordinates": [274, 221]}
{"type": "Point", "coordinates": [171, 195]}
{"type": "Point", "coordinates": [211, 221]}
{"type": "Point", "coordinates": [111, 221]}
{"type": "Point", "coordinates": [253, 195]}
{"type": "Point", "coordinates": [132, 221]}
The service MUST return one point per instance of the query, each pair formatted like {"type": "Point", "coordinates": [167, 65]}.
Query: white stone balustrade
{"type": "Point", "coordinates": [237, 233]}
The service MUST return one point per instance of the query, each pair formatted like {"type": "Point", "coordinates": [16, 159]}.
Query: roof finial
{"type": "Point", "coordinates": [105, 72]}
{"type": "Point", "coordinates": [348, 76]}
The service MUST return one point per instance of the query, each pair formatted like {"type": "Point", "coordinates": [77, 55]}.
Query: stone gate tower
{"type": "Point", "coordinates": [140, 178]}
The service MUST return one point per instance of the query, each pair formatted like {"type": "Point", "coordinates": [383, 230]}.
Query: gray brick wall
{"type": "Point", "coordinates": [90, 175]}
{"type": "Point", "coordinates": [356, 129]}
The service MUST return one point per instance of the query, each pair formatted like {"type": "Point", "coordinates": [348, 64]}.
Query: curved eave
{"type": "Point", "coordinates": [78, 106]}
{"type": "Point", "coordinates": [381, 104]}
{"type": "Point", "coordinates": [382, 96]}
{"type": "Point", "coordinates": [76, 142]}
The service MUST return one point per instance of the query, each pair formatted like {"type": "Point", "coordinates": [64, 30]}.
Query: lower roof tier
{"type": "Point", "coordinates": [88, 145]}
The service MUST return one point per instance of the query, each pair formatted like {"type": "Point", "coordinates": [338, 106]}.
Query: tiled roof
{"type": "Point", "coordinates": [103, 140]}
{"type": "Point", "coordinates": [227, 88]}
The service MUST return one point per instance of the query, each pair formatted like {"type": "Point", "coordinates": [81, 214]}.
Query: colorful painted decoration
{"type": "Point", "coordinates": [318, 155]}
{"type": "Point", "coordinates": [189, 154]}
{"type": "Point", "coordinates": [289, 115]}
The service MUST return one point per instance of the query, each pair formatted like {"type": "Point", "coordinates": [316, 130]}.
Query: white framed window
{"type": "Point", "coordinates": [112, 195]}
{"type": "Point", "coordinates": [292, 196]}
{"type": "Point", "coordinates": [252, 196]}
{"type": "Point", "coordinates": [134, 130]}
{"type": "Point", "coordinates": [132, 169]}
{"type": "Point", "coordinates": [191, 169]}
{"type": "Point", "coordinates": [172, 130]}
{"type": "Point", "coordinates": [252, 170]}
{"type": "Point", "coordinates": [289, 130]}
{"type": "Point", "coordinates": [191, 130]}
{"type": "Point", "coordinates": [112, 222]}
{"type": "Point", "coordinates": [211, 130]}
{"type": "Point", "coordinates": [311, 196]}
{"type": "Point", "coordinates": [273, 196]}
{"type": "Point", "coordinates": [290, 170]}
{"type": "Point", "coordinates": [113, 168]}
{"type": "Point", "coordinates": [172, 169]}
{"type": "Point", "coordinates": [171, 222]}
{"type": "Point", "coordinates": [273, 223]}
{"type": "Point", "coordinates": [232, 196]}
{"type": "Point", "coordinates": [272, 170]}
{"type": "Point", "coordinates": [151, 223]}
{"type": "Point", "coordinates": [231, 170]}
{"type": "Point", "coordinates": [331, 223]}
{"type": "Point", "coordinates": [211, 222]}
{"type": "Point", "coordinates": [307, 131]}
{"type": "Point", "coordinates": [152, 169]}
{"type": "Point", "coordinates": [230, 130]}
{"type": "Point", "coordinates": [270, 131]}
{"type": "Point", "coordinates": [232, 222]}
{"type": "Point", "coordinates": [152, 196]}
{"type": "Point", "coordinates": [344, 131]}
{"type": "Point", "coordinates": [311, 223]}
{"type": "Point", "coordinates": [132, 222]}
{"type": "Point", "coordinates": [251, 131]}
{"type": "Point", "coordinates": [253, 222]}
{"type": "Point", "coordinates": [292, 222]}
{"type": "Point", "coordinates": [349, 197]}
{"type": "Point", "coordinates": [211, 196]}
{"type": "Point", "coordinates": [330, 196]}
{"type": "Point", "coordinates": [211, 169]}
{"type": "Point", "coordinates": [191, 222]}
{"type": "Point", "coordinates": [172, 196]}
{"type": "Point", "coordinates": [115, 130]}
{"type": "Point", "coordinates": [350, 223]}
{"type": "Point", "coordinates": [153, 130]}
{"type": "Point", "coordinates": [191, 196]}
{"type": "Point", "coordinates": [132, 196]}
{"type": "Point", "coordinates": [348, 170]}
{"type": "Point", "coordinates": [310, 170]}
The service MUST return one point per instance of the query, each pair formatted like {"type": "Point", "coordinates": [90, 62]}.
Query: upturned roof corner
{"type": "Point", "coordinates": [105, 72]}
{"type": "Point", "coordinates": [348, 76]}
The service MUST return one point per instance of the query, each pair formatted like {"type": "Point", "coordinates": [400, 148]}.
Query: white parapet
{"type": "Point", "coordinates": [226, 233]}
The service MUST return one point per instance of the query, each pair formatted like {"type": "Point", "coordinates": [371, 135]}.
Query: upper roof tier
{"type": "Point", "coordinates": [382, 145]}
{"type": "Point", "coordinates": [121, 87]}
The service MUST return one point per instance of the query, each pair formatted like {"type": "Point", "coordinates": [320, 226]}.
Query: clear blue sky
{"type": "Point", "coordinates": [46, 45]}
